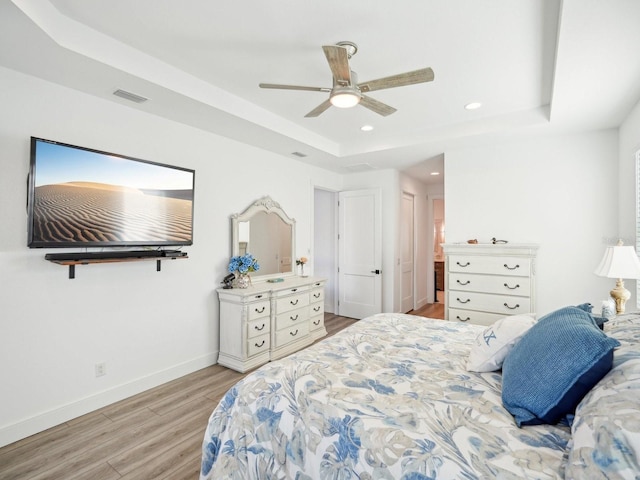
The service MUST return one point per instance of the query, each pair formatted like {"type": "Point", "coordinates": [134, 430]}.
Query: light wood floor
{"type": "Point", "coordinates": [156, 434]}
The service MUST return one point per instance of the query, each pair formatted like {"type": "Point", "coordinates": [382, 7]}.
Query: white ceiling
{"type": "Point", "coordinates": [536, 65]}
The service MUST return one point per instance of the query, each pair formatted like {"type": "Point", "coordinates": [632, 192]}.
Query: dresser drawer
{"type": "Point", "coordinates": [291, 334]}
{"type": "Point", "coordinates": [290, 291]}
{"type": "Point", "coordinates": [316, 295]}
{"type": "Point", "coordinates": [258, 345]}
{"type": "Point", "coordinates": [485, 302]}
{"type": "Point", "coordinates": [258, 310]}
{"type": "Point", "coordinates": [316, 309]}
{"type": "Point", "coordinates": [520, 267]}
{"type": "Point", "coordinates": [316, 322]}
{"type": "Point", "coordinates": [258, 327]}
{"type": "Point", "coordinates": [469, 316]}
{"type": "Point", "coordinates": [292, 302]}
{"type": "Point", "coordinates": [292, 317]}
{"type": "Point", "coordinates": [469, 282]}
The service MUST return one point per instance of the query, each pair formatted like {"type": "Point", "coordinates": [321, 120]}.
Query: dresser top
{"type": "Point", "coordinates": [265, 287]}
{"type": "Point", "coordinates": [520, 249]}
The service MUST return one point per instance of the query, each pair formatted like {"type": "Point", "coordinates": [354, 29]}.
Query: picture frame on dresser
{"type": "Point", "coordinates": [486, 282]}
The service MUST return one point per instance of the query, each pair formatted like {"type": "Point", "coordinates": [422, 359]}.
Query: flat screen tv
{"type": "Point", "coordinates": [79, 197]}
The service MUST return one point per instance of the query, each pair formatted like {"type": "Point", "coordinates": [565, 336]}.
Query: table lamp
{"type": "Point", "coordinates": [619, 261]}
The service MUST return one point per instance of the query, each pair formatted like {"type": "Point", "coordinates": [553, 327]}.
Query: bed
{"type": "Point", "coordinates": [391, 398]}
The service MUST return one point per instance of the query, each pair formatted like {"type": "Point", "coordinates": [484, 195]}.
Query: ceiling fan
{"type": "Point", "coordinates": [346, 91]}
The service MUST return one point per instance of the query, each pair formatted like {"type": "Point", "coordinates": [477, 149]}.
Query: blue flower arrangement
{"type": "Point", "coordinates": [243, 264]}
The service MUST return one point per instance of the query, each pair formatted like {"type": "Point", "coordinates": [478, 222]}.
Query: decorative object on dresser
{"type": "Point", "coordinates": [619, 261]}
{"type": "Point", "coordinates": [302, 261]}
{"type": "Point", "coordinates": [485, 282]}
{"type": "Point", "coordinates": [269, 320]}
{"type": "Point", "coordinates": [241, 266]}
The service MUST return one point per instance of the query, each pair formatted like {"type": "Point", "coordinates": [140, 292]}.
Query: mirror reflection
{"type": "Point", "coordinates": [267, 232]}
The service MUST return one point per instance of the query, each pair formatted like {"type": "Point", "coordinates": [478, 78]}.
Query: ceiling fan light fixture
{"type": "Point", "coordinates": [345, 99]}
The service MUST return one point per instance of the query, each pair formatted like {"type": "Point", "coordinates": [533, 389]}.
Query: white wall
{"type": "Point", "coordinates": [558, 191]}
{"type": "Point", "coordinates": [148, 327]}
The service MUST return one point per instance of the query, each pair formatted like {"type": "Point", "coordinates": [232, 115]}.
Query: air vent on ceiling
{"type": "Point", "coordinates": [130, 96]}
{"type": "Point", "coordinates": [299, 154]}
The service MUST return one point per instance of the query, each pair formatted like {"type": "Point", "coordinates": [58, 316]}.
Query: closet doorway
{"type": "Point", "coordinates": [438, 254]}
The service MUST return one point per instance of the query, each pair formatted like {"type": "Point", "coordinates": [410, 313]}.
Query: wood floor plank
{"type": "Point", "coordinates": [156, 434]}
{"type": "Point", "coordinates": [145, 452]}
{"type": "Point", "coordinates": [102, 471]}
{"type": "Point", "coordinates": [163, 465]}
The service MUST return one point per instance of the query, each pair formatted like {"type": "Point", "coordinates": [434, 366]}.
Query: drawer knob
{"type": "Point", "coordinates": [511, 288]}
{"type": "Point", "coordinates": [260, 328]}
{"type": "Point", "coordinates": [465, 265]}
{"type": "Point", "coordinates": [463, 283]}
{"type": "Point", "coordinates": [260, 345]}
{"type": "Point", "coordinates": [511, 268]}
{"type": "Point", "coordinates": [317, 322]}
{"type": "Point", "coordinates": [316, 295]}
{"type": "Point", "coordinates": [293, 319]}
{"type": "Point", "coordinates": [465, 301]}
{"type": "Point", "coordinates": [512, 308]}
{"type": "Point", "coordinates": [463, 319]}
{"type": "Point", "coordinates": [258, 296]}
{"type": "Point", "coordinates": [293, 334]}
{"type": "Point", "coordinates": [294, 303]}
{"type": "Point", "coordinates": [294, 289]}
{"type": "Point", "coordinates": [259, 311]}
{"type": "Point", "coordinates": [316, 309]}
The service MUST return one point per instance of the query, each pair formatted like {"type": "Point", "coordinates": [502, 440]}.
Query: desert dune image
{"type": "Point", "coordinates": [96, 212]}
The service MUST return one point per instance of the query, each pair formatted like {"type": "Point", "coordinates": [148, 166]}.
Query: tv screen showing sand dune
{"type": "Point", "coordinates": [83, 197]}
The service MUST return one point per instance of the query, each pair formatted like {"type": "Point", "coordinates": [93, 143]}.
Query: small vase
{"type": "Point", "coordinates": [243, 280]}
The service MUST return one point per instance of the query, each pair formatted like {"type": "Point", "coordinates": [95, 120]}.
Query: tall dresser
{"type": "Point", "coordinates": [485, 282]}
{"type": "Point", "coordinates": [269, 320]}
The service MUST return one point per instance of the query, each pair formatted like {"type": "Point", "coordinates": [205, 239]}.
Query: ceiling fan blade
{"type": "Point", "coordinates": [400, 80]}
{"type": "Point", "coordinates": [376, 106]}
{"type": "Point", "coordinates": [293, 87]}
{"type": "Point", "coordinates": [338, 59]}
{"type": "Point", "coordinates": [319, 109]}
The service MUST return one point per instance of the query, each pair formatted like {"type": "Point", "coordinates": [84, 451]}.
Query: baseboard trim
{"type": "Point", "coordinates": [56, 416]}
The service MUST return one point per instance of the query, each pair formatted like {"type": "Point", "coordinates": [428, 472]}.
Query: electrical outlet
{"type": "Point", "coordinates": [101, 369]}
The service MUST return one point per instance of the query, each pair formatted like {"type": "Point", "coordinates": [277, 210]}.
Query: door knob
{"type": "Point", "coordinates": [377, 272]}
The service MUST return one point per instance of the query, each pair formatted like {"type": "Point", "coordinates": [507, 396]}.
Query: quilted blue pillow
{"type": "Point", "coordinates": [554, 365]}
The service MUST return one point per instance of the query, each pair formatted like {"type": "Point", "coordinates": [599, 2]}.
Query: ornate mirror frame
{"type": "Point", "coordinates": [264, 205]}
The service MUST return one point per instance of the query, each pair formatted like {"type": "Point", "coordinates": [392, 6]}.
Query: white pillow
{"type": "Point", "coordinates": [493, 344]}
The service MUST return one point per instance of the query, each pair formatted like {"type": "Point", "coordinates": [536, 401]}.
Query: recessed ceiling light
{"type": "Point", "coordinates": [473, 105]}
{"type": "Point", "coordinates": [435, 173]}
{"type": "Point", "coordinates": [366, 128]}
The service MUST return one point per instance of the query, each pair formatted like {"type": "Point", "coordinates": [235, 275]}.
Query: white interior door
{"type": "Point", "coordinates": [359, 253]}
{"type": "Point", "coordinates": [407, 249]}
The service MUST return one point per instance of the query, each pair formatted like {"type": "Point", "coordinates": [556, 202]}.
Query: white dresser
{"type": "Point", "coordinates": [269, 320]}
{"type": "Point", "coordinates": [485, 282]}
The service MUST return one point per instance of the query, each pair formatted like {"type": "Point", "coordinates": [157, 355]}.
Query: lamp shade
{"type": "Point", "coordinates": [620, 261]}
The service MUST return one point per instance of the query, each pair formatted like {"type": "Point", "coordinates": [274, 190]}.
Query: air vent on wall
{"type": "Point", "coordinates": [130, 96]}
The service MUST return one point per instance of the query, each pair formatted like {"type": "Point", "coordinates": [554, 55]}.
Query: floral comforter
{"type": "Point", "coordinates": [388, 398]}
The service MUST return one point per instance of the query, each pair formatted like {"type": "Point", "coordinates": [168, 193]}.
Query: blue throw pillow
{"type": "Point", "coordinates": [554, 365]}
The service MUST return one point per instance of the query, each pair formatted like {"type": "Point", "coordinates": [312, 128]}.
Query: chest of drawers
{"type": "Point", "coordinates": [487, 282]}
{"type": "Point", "coordinates": [269, 320]}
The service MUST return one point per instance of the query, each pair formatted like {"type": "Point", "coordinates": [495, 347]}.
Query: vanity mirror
{"type": "Point", "coordinates": [268, 233]}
